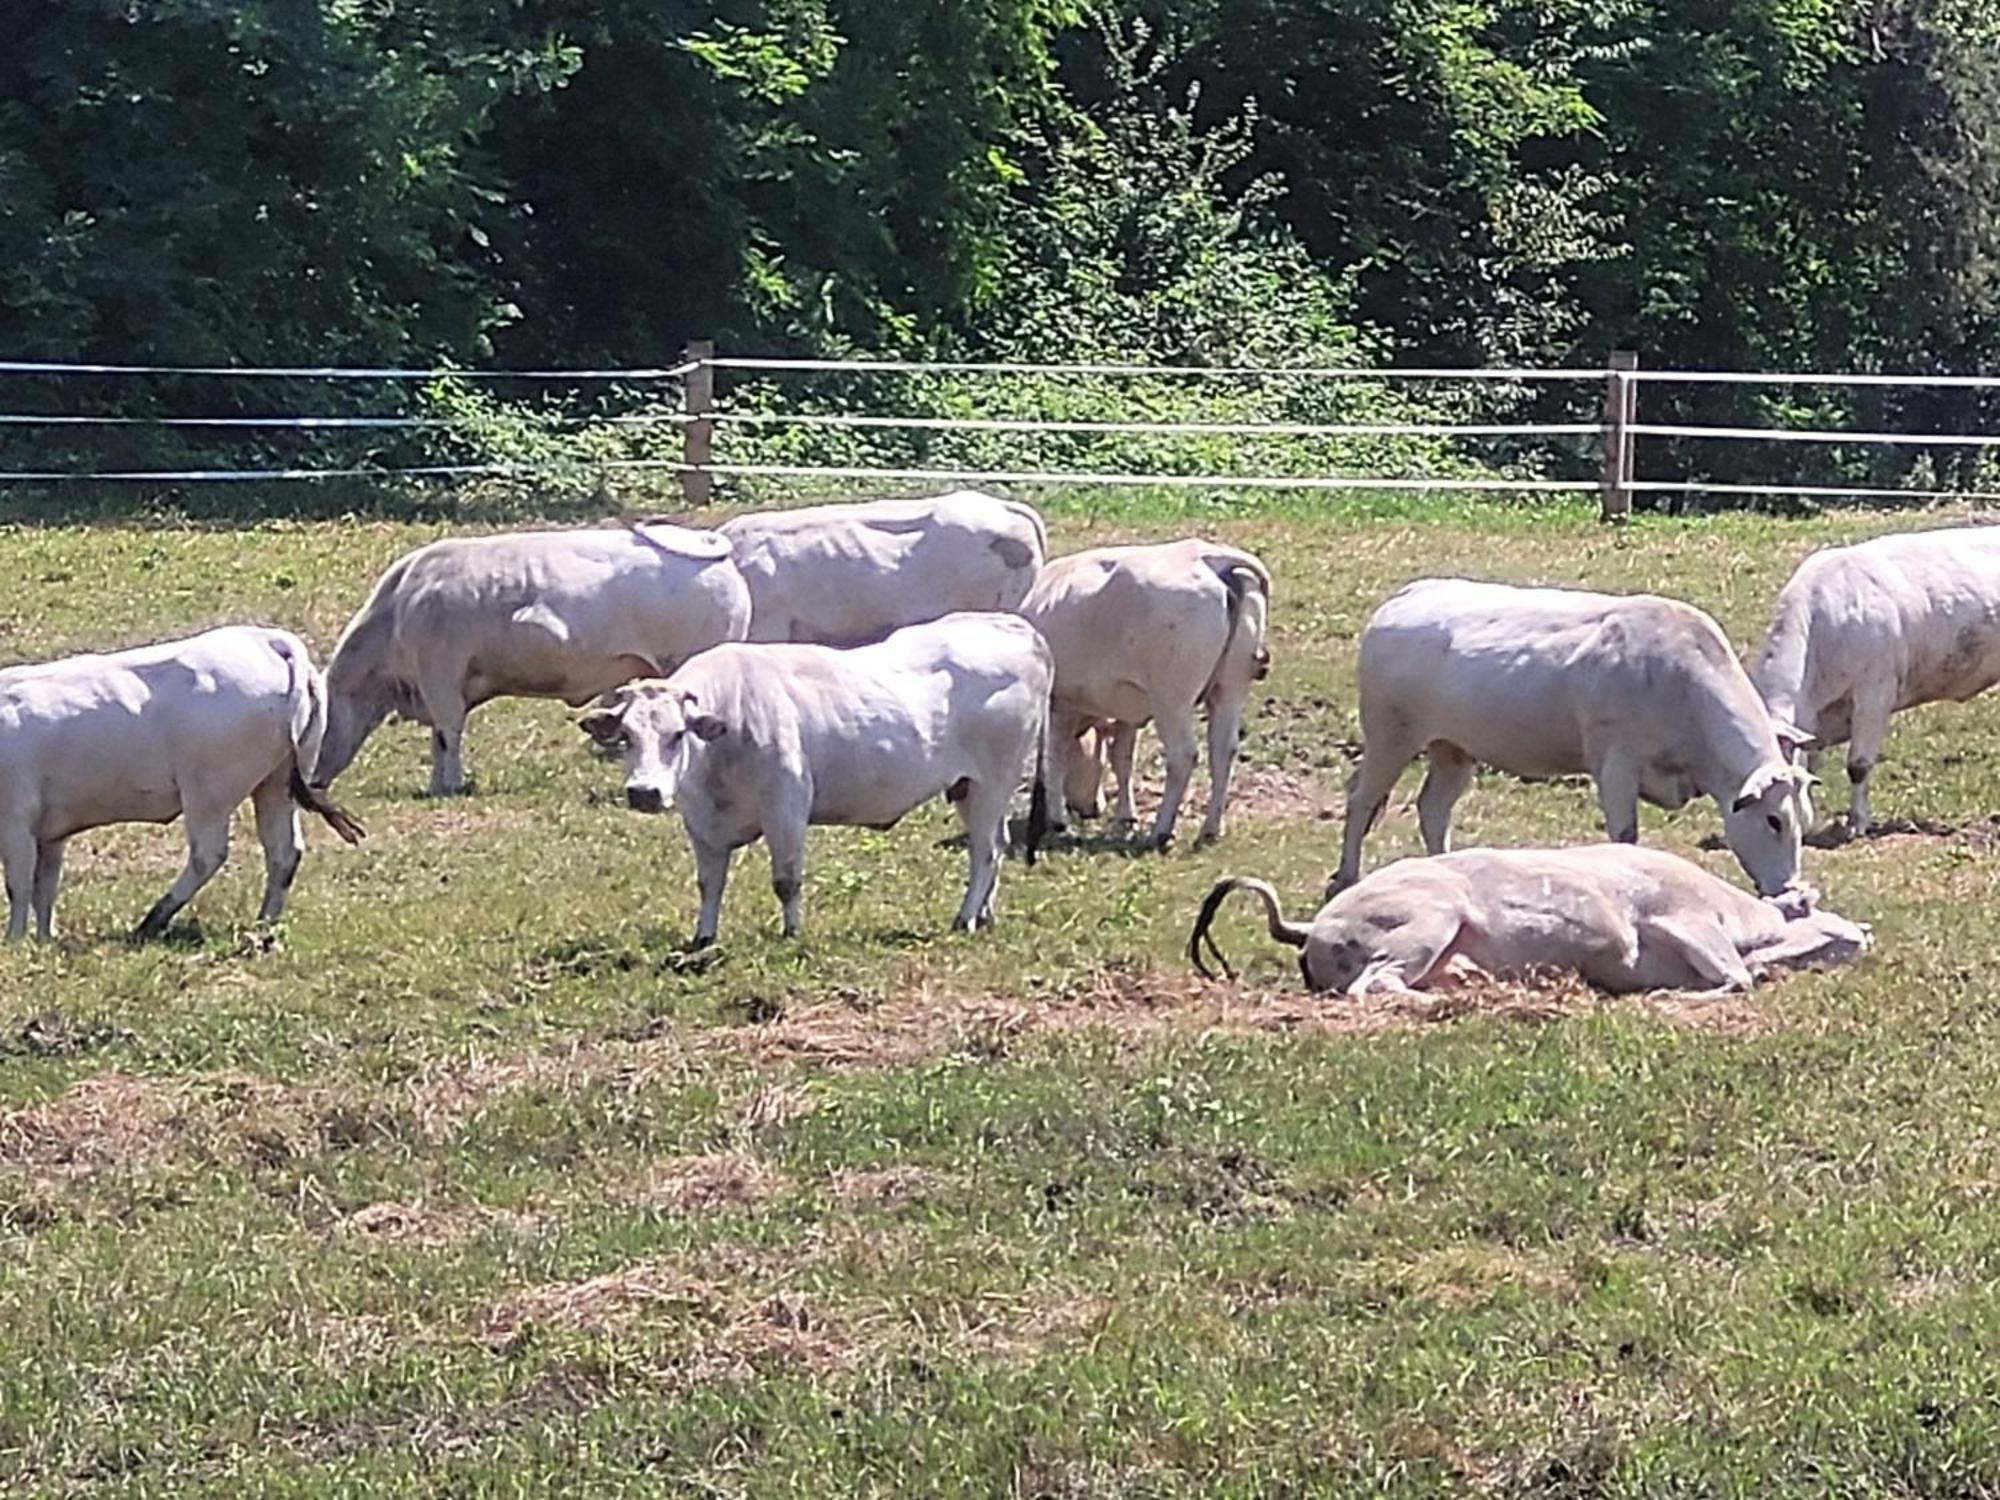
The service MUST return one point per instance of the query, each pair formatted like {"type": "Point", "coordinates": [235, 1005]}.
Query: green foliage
{"type": "Point", "coordinates": [1716, 183]}
{"type": "Point", "coordinates": [215, 180]}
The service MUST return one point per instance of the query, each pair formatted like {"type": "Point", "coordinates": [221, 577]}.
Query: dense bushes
{"type": "Point", "coordinates": [1733, 183]}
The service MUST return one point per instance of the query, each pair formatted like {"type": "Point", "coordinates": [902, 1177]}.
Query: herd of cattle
{"type": "Point", "coordinates": [844, 664]}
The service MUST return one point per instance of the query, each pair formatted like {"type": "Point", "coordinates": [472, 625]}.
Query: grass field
{"type": "Point", "coordinates": [466, 1186]}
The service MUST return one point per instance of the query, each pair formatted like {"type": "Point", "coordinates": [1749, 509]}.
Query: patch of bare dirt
{"type": "Point", "coordinates": [1256, 794]}
{"type": "Point", "coordinates": [1978, 833]}
{"type": "Point", "coordinates": [713, 1181]}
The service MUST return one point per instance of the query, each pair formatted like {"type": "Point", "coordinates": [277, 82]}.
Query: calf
{"type": "Point", "coordinates": [1150, 633]}
{"type": "Point", "coordinates": [1866, 631]}
{"type": "Point", "coordinates": [765, 740]}
{"type": "Point", "coordinates": [536, 614]}
{"type": "Point", "coordinates": [186, 728]}
{"type": "Point", "coordinates": [1623, 918]}
{"type": "Point", "coordinates": [844, 575]}
{"type": "Point", "coordinates": [1643, 693]}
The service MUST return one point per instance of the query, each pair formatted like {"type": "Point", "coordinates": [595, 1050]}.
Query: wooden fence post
{"type": "Point", "coordinates": [1621, 407]}
{"type": "Point", "coordinates": [698, 433]}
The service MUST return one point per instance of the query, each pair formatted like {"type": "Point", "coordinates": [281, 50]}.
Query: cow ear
{"type": "Point", "coordinates": [706, 726]}
{"type": "Point", "coordinates": [1792, 739]}
{"type": "Point", "coordinates": [605, 725]}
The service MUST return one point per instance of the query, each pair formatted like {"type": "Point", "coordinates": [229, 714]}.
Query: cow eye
{"type": "Point", "coordinates": [1777, 824]}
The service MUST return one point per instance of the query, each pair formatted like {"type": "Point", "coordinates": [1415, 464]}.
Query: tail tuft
{"type": "Point", "coordinates": [1038, 816]}
{"type": "Point", "coordinates": [315, 800]}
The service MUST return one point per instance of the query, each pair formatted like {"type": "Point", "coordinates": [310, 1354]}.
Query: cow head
{"type": "Point", "coordinates": [1764, 822]}
{"type": "Point", "coordinates": [657, 728]}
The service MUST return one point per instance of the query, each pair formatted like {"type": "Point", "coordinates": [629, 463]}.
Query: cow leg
{"type": "Point", "coordinates": [1700, 946]}
{"type": "Point", "coordinates": [1225, 728]}
{"type": "Point", "coordinates": [1382, 764]}
{"type": "Point", "coordinates": [711, 873]}
{"type": "Point", "coordinates": [444, 704]}
{"type": "Point", "coordinates": [1450, 773]}
{"type": "Point", "coordinates": [1178, 745]}
{"type": "Point", "coordinates": [19, 853]}
{"type": "Point", "coordinates": [48, 879]}
{"type": "Point", "coordinates": [1065, 730]}
{"type": "Point", "coordinates": [1872, 707]}
{"type": "Point", "coordinates": [1124, 741]}
{"type": "Point", "coordinates": [787, 839]}
{"type": "Point", "coordinates": [208, 847]}
{"type": "Point", "coordinates": [1618, 795]}
{"type": "Point", "coordinates": [977, 810]}
{"type": "Point", "coordinates": [278, 832]}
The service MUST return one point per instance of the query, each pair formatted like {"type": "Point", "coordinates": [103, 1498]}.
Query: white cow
{"type": "Point", "coordinates": [1643, 693]}
{"type": "Point", "coordinates": [844, 575]}
{"type": "Point", "coordinates": [185, 728]}
{"type": "Point", "coordinates": [1864, 631]}
{"type": "Point", "coordinates": [764, 740]}
{"type": "Point", "coordinates": [1624, 918]}
{"type": "Point", "coordinates": [1150, 633]}
{"type": "Point", "coordinates": [536, 614]}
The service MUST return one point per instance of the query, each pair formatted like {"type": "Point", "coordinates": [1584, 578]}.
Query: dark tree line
{"type": "Point", "coordinates": [1721, 183]}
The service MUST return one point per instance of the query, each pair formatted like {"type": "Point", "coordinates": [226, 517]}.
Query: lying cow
{"type": "Point", "coordinates": [187, 728]}
{"type": "Point", "coordinates": [1150, 633]}
{"type": "Point", "coordinates": [1623, 918]}
{"type": "Point", "coordinates": [1862, 632]}
{"type": "Point", "coordinates": [1643, 693]}
{"type": "Point", "coordinates": [844, 575]}
{"type": "Point", "coordinates": [765, 740]}
{"type": "Point", "coordinates": [536, 614]}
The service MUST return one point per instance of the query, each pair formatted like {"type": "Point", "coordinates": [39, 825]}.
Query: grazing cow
{"type": "Point", "coordinates": [1643, 693]}
{"type": "Point", "coordinates": [845, 575]}
{"type": "Point", "coordinates": [187, 728]}
{"type": "Point", "coordinates": [1864, 631]}
{"type": "Point", "coordinates": [1150, 633]}
{"type": "Point", "coordinates": [536, 614]}
{"type": "Point", "coordinates": [765, 740]}
{"type": "Point", "coordinates": [1623, 918]}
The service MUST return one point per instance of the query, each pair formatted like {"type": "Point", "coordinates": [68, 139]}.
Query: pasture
{"type": "Point", "coordinates": [469, 1183]}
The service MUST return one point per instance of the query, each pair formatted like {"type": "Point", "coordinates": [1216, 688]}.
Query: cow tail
{"type": "Point", "coordinates": [307, 695]}
{"type": "Point", "coordinates": [1038, 799]}
{"type": "Point", "coordinates": [1238, 579]}
{"type": "Point", "coordinates": [1291, 933]}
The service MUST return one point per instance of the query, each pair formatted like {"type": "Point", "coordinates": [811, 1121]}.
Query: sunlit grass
{"type": "Point", "coordinates": [472, 1186]}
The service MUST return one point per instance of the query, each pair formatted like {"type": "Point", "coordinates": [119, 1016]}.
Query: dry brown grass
{"type": "Point", "coordinates": [711, 1182]}
{"type": "Point", "coordinates": [722, 1322]}
{"type": "Point", "coordinates": [426, 1226]}
{"type": "Point", "coordinates": [883, 1187]}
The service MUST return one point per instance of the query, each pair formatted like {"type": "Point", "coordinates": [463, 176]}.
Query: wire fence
{"type": "Point", "coordinates": [684, 403]}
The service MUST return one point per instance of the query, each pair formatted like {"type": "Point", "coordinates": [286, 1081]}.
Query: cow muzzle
{"type": "Point", "coordinates": [645, 799]}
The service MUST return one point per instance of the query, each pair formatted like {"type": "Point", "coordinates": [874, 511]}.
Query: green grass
{"type": "Point", "coordinates": [467, 1187]}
